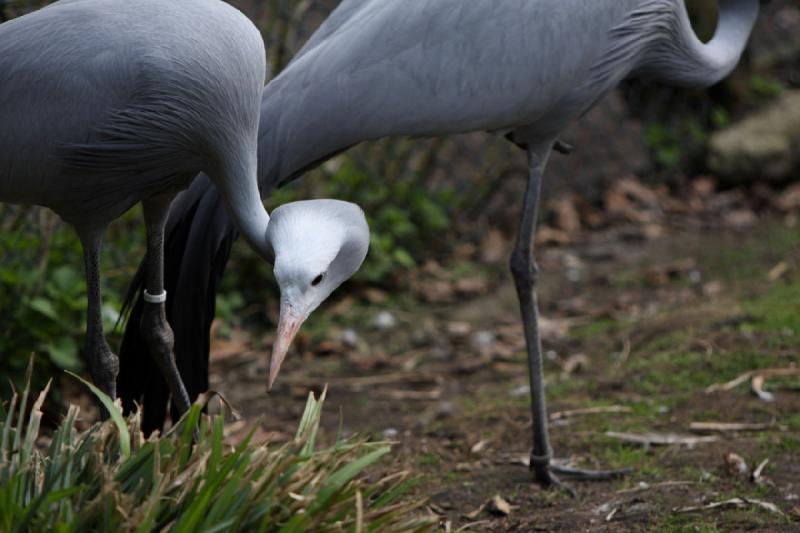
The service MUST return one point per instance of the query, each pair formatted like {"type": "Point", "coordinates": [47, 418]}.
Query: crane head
{"type": "Point", "coordinates": [318, 245]}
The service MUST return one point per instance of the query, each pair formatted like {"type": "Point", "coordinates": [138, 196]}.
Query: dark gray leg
{"type": "Point", "coordinates": [103, 363]}
{"type": "Point", "coordinates": [154, 326]}
{"type": "Point", "coordinates": [525, 273]}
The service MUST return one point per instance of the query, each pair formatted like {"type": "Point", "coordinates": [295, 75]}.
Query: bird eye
{"type": "Point", "coordinates": [318, 280]}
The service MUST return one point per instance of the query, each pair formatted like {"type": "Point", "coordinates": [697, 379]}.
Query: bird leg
{"type": "Point", "coordinates": [154, 326]}
{"type": "Point", "coordinates": [525, 273]}
{"type": "Point", "coordinates": [103, 363]}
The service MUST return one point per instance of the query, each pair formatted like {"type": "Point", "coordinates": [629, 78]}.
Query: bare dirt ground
{"type": "Point", "coordinates": [640, 322]}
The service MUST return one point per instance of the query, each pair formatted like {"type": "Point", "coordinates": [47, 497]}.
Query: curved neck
{"type": "Point", "coordinates": [239, 190]}
{"type": "Point", "coordinates": [688, 61]}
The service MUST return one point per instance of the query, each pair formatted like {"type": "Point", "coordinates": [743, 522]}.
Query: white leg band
{"type": "Point", "coordinates": [155, 298]}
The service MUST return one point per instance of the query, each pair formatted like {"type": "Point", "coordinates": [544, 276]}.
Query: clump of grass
{"type": "Point", "coordinates": [110, 478]}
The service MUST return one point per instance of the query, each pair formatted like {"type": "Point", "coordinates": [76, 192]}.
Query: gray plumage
{"type": "Point", "coordinates": [378, 68]}
{"type": "Point", "coordinates": [105, 103]}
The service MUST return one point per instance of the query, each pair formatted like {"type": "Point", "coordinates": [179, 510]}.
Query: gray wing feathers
{"type": "Point", "coordinates": [630, 39]}
{"type": "Point", "coordinates": [343, 13]}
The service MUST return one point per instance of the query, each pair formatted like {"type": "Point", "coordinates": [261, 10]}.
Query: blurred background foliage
{"type": "Point", "coordinates": [422, 197]}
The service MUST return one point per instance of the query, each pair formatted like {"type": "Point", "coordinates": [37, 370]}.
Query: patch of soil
{"type": "Point", "coordinates": [638, 327]}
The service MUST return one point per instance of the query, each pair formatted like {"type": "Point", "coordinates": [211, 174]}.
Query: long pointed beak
{"type": "Point", "coordinates": [288, 325]}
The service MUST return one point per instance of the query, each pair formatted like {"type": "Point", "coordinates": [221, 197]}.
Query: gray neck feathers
{"type": "Point", "coordinates": [331, 231]}
{"type": "Point", "coordinates": [681, 58]}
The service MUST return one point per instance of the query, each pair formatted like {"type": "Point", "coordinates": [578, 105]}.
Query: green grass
{"type": "Point", "coordinates": [110, 478]}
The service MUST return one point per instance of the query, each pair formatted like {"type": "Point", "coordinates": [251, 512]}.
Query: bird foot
{"type": "Point", "coordinates": [548, 474]}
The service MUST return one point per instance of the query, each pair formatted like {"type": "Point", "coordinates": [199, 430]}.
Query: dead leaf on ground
{"type": "Point", "coordinates": [553, 329]}
{"type": "Point", "coordinates": [566, 214]}
{"type": "Point", "coordinates": [575, 364]}
{"type": "Point", "coordinates": [739, 218]}
{"type": "Point", "coordinates": [494, 247]}
{"type": "Point", "coordinates": [479, 446]}
{"type": "Point", "coordinates": [499, 506]}
{"type": "Point", "coordinates": [223, 349]}
{"type": "Point", "coordinates": [736, 464]}
{"type": "Point", "coordinates": [757, 386]}
{"type": "Point", "coordinates": [789, 199]}
{"type": "Point", "coordinates": [778, 271]}
{"type": "Point", "coordinates": [704, 185]}
{"type": "Point", "coordinates": [630, 199]}
{"type": "Point", "coordinates": [547, 235]}
{"type": "Point", "coordinates": [470, 287]}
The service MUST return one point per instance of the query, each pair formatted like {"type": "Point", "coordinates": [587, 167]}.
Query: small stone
{"type": "Point", "coordinates": [350, 337]}
{"type": "Point", "coordinates": [384, 321]}
{"type": "Point", "coordinates": [458, 329]}
{"type": "Point", "coordinates": [390, 433]}
{"type": "Point", "coordinates": [519, 392]}
{"type": "Point", "coordinates": [445, 409]}
{"type": "Point", "coordinates": [482, 341]}
{"type": "Point", "coordinates": [740, 218]}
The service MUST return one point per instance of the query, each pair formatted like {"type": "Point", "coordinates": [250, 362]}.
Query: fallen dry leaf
{"type": "Point", "coordinates": [566, 214]}
{"type": "Point", "coordinates": [494, 247]}
{"type": "Point", "coordinates": [546, 235]}
{"type": "Point", "coordinates": [499, 506]}
{"type": "Point", "coordinates": [575, 364]}
{"type": "Point", "coordinates": [757, 386]}
{"type": "Point", "coordinates": [778, 271]}
{"type": "Point", "coordinates": [789, 199]}
{"type": "Point", "coordinates": [736, 464]}
{"type": "Point", "coordinates": [479, 446]}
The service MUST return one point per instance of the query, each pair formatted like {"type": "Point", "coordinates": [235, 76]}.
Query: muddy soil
{"type": "Point", "coordinates": [635, 329]}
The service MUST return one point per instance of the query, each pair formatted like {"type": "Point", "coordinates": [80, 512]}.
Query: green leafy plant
{"type": "Point", "coordinates": [765, 87]}
{"type": "Point", "coordinates": [43, 289]}
{"type": "Point", "coordinates": [110, 478]}
{"type": "Point", "coordinates": [674, 144]}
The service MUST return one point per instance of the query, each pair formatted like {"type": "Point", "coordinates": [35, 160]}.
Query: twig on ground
{"type": "Point", "coordinates": [757, 379]}
{"type": "Point", "coordinates": [356, 383]}
{"type": "Point", "coordinates": [659, 439]}
{"type": "Point", "coordinates": [756, 476]}
{"type": "Point", "coordinates": [728, 426]}
{"type": "Point", "coordinates": [474, 514]}
{"type": "Point", "coordinates": [470, 525]}
{"type": "Point", "coordinates": [625, 353]}
{"type": "Point", "coordinates": [733, 502]}
{"type": "Point", "coordinates": [644, 486]}
{"type": "Point", "coordinates": [421, 395]}
{"type": "Point", "coordinates": [590, 411]}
